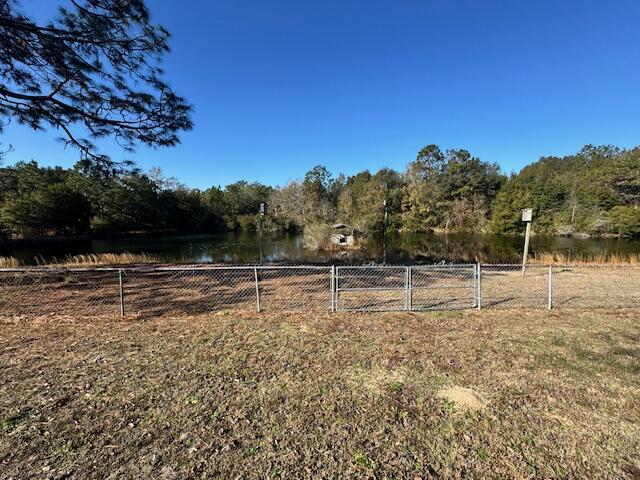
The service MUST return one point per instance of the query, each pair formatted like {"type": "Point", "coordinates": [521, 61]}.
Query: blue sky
{"type": "Point", "coordinates": [281, 86]}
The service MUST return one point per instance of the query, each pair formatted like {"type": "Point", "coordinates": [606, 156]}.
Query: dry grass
{"type": "Point", "coordinates": [9, 262]}
{"type": "Point", "coordinates": [315, 239]}
{"type": "Point", "coordinates": [335, 396]}
{"type": "Point", "coordinates": [317, 236]}
{"type": "Point", "coordinates": [88, 259]}
{"type": "Point", "coordinates": [599, 259]}
{"type": "Point", "coordinates": [125, 258]}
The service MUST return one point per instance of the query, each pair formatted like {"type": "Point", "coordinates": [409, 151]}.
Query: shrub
{"type": "Point", "coordinates": [317, 236]}
{"type": "Point", "coordinates": [248, 222]}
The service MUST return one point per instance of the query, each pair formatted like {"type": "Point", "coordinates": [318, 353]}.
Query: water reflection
{"type": "Point", "coordinates": [244, 247]}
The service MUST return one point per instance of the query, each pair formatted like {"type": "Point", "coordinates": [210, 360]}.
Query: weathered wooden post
{"type": "Point", "coordinates": [527, 215]}
{"type": "Point", "coordinates": [384, 234]}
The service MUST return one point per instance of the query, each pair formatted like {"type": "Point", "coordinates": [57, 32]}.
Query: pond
{"type": "Point", "coordinates": [244, 247]}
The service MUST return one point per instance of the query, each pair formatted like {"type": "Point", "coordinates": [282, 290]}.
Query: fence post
{"type": "Point", "coordinates": [333, 288]}
{"type": "Point", "coordinates": [409, 288]}
{"type": "Point", "coordinates": [550, 303]}
{"type": "Point", "coordinates": [406, 288]}
{"type": "Point", "coordinates": [479, 286]}
{"type": "Point", "coordinates": [121, 290]}
{"type": "Point", "coordinates": [474, 287]}
{"type": "Point", "coordinates": [255, 276]}
{"type": "Point", "coordinates": [336, 288]}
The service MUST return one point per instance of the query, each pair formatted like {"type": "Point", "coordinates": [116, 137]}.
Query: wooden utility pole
{"type": "Point", "coordinates": [384, 234]}
{"type": "Point", "coordinates": [263, 212]}
{"type": "Point", "coordinates": [527, 214]}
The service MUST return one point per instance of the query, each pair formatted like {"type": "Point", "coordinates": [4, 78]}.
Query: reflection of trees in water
{"type": "Point", "coordinates": [244, 247]}
{"type": "Point", "coordinates": [430, 248]}
{"type": "Point", "coordinates": [463, 247]}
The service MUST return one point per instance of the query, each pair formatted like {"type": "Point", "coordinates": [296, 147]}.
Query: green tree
{"type": "Point", "coordinates": [55, 208]}
{"type": "Point", "coordinates": [350, 205]}
{"type": "Point", "coordinates": [624, 220]}
{"type": "Point", "coordinates": [570, 194]}
{"type": "Point", "coordinates": [469, 185]}
{"type": "Point", "coordinates": [130, 203]}
{"type": "Point", "coordinates": [24, 215]}
{"type": "Point", "coordinates": [422, 200]}
{"type": "Point", "coordinates": [361, 200]}
{"type": "Point", "coordinates": [67, 211]}
{"type": "Point", "coordinates": [239, 203]}
{"type": "Point", "coordinates": [97, 64]}
{"type": "Point", "coordinates": [318, 194]}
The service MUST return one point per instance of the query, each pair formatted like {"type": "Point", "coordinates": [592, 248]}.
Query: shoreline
{"type": "Point", "coordinates": [151, 260]}
{"type": "Point", "coordinates": [37, 241]}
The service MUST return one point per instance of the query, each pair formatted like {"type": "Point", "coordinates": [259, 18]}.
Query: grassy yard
{"type": "Point", "coordinates": [553, 395]}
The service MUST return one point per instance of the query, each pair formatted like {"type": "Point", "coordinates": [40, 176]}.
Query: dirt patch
{"type": "Point", "coordinates": [464, 397]}
{"type": "Point", "coordinates": [376, 379]}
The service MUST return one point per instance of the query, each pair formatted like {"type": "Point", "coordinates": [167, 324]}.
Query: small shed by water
{"type": "Point", "coordinates": [344, 235]}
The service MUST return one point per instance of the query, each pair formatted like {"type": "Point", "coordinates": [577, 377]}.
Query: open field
{"type": "Point", "coordinates": [231, 395]}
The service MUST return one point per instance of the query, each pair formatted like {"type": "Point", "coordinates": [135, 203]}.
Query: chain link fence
{"type": "Point", "coordinates": [506, 286]}
{"type": "Point", "coordinates": [157, 291]}
{"type": "Point", "coordinates": [43, 292]}
{"type": "Point", "coordinates": [424, 287]}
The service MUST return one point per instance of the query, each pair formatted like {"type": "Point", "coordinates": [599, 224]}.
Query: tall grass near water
{"type": "Point", "coordinates": [319, 239]}
{"type": "Point", "coordinates": [88, 259]}
{"type": "Point", "coordinates": [586, 259]}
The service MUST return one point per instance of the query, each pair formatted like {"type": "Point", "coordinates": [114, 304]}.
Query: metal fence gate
{"type": "Point", "coordinates": [388, 288]}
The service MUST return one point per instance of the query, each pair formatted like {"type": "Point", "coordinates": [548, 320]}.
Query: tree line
{"type": "Point", "coordinates": [97, 64]}
{"type": "Point", "coordinates": [596, 191]}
